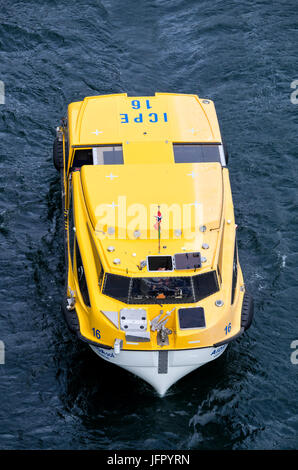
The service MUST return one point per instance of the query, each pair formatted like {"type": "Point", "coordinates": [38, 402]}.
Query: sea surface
{"type": "Point", "coordinates": [55, 393]}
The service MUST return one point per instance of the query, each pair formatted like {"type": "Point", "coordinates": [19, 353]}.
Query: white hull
{"type": "Point", "coordinates": [161, 370]}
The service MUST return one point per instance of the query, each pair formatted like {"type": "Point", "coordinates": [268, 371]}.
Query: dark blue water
{"type": "Point", "coordinates": [55, 393]}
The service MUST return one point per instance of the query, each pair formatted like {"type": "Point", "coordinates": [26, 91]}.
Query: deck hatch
{"type": "Point", "coordinates": [160, 263]}
{"type": "Point", "coordinates": [188, 260]}
{"type": "Point", "coordinates": [192, 317]}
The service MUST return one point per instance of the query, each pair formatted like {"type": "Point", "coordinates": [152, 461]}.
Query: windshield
{"type": "Point", "coordinates": [149, 290]}
{"type": "Point", "coordinates": [162, 289]}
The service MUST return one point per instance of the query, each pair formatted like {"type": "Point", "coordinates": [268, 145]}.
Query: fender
{"type": "Point", "coordinates": [247, 311]}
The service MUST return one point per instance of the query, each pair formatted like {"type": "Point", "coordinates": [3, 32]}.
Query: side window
{"type": "Point", "coordinates": [205, 284]}
{"type": "Point", "coordinates": [99, 268]}
{"type": "Point", "coordinates": [71, 233]}
{"type": "Point", "coordinates": [82, 157]}
{"type": "Point", "coordinates": [196, 153]}
{"type": "Point", "coordinates": [112, 155]}
{"type": "Point", "coordinates": [81, 276]}
{"type": "Point", "coordinates": [100, 155]}
{"type": "Point", "coordinates": [235, 272]}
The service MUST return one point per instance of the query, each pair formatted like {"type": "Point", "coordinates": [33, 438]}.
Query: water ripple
{"type": "Point", "coordinates": [58, 394]}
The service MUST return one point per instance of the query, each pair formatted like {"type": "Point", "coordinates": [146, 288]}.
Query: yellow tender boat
{"type": "Point", "coordinates": [153, 280]}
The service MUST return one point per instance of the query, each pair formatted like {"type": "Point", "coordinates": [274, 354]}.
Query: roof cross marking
{"type": "Point", "coordinates": [111, 176]}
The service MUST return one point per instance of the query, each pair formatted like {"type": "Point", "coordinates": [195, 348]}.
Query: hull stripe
{"type": "Point", "coordinates": [163, 362]}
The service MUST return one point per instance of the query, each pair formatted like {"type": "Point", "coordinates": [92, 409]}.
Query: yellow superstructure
{"type": "Point", "coordinates": [162, 148]}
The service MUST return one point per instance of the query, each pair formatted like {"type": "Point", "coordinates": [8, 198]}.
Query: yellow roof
{"type": "Point", "coordinates": [164, 117]}
{"type": "Point", "coordinates": [123, 198]}
{"type": "Point", "coordinates": [146, 127]}
{"type": "Point", "coordinates": [152, 185]}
